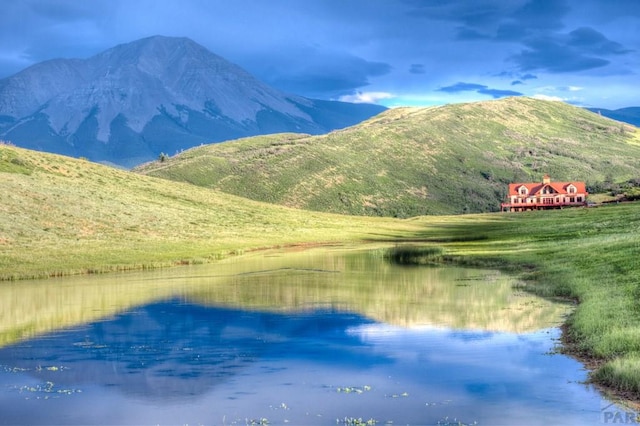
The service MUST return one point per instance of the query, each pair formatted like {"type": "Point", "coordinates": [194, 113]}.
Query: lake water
{"type": "Point", "coordinates": [324, 336]}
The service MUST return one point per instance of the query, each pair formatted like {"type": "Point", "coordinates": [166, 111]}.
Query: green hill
{"type": "Point", "coordinates": [414, 161]}
{"type": "Point", "coordinates": [60, 215]}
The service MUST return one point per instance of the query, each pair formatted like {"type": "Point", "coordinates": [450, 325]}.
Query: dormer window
{"type": "Point", "coordinates": [571, 189]}
{"type": "Point", "coordinates": [523, 190]}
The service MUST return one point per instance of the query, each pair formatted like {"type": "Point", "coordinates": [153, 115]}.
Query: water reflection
{"type": "Point", "coordinates": [172, 350]}
{"type": "Point", "coordinates": [307, 338]}
{"type": "Point", "coordinates": [357, 281]}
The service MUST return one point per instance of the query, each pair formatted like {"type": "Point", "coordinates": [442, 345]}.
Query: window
{"type": "Point", "coordinates": [579, 199]}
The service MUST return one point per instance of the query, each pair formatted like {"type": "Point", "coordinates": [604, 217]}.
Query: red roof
{"type": "Point", "coordinates": [534, 188]}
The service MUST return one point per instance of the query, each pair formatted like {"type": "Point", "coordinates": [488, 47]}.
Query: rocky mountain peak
{"type": "Point", "coordinates": [125, 94]}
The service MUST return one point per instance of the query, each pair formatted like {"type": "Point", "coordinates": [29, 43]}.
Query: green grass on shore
{"type": "Point", "coordinates": [64, 216]}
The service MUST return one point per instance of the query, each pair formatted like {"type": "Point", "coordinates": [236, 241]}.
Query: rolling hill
{"type": "Point", "coordinates": [128, 104]}
{"type": "Point", "coordinates": [61, 215]}
{"type": "Point", "coordinates": [413, 161]}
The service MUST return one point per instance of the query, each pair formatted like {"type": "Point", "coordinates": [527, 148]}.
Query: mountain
{"type": "Point", "coordinates": [629, 115]}
{"type": "Point", "coordinates": [414, 161]}
{"type": "Point", "coordinates": [159, 94]}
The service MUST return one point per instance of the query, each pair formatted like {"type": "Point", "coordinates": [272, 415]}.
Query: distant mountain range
{"type": "Point", "coordinates": [404, 162]}
{"type": "Point", "coordinates": [629, 115]}
{"type": "Point", "coordinates": [128, 104]}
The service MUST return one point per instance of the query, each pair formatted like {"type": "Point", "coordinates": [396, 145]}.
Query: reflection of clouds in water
{"type": "Point", "coordinates": [180, 363]}
{"type": "Point", "coordinates": [169, 351]}
{"type": "Point", "coordinates": [236, 344]}
{"type": "Point", "coordinates": [483, 360]}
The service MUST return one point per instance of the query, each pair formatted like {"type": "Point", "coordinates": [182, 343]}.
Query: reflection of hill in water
{"type": "Point", "coordinates": [169, 350]}
{"type": "Point", "coordinates": [356, 281]}
{"type": "Point", "coordinates": [405, 296]}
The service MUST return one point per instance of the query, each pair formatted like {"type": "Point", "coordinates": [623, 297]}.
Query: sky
{"type": "Point", "coordinates": [390, 52]}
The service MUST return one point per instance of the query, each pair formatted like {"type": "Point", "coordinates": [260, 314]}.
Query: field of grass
{"type": "Point", "coordinates": [63, 216]}
{"type": "Point", "coordinates": [415, 161]}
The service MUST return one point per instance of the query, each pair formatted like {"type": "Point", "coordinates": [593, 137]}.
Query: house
{"type": "Point", "coordinates": [545, 195]}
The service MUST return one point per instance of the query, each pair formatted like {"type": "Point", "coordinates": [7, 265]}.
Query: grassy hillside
{"type": "Point", "coordinates": [414, 161]}
{"type": "Point", "coordinates": [61, 216]}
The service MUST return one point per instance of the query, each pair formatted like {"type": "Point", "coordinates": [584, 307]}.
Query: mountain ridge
{"type": "Point", "coordinates": [629, 115]}
{"type": "Point", "coordinates": [158, 94]}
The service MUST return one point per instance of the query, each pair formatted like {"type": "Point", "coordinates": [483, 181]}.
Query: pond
{"type": "Point", "coordinates": [322, 336]}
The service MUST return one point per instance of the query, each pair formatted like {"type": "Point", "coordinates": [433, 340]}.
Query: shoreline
{"type": "Point", "coordinates": [627, 399]}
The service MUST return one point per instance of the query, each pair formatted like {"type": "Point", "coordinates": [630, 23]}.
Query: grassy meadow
{"type": "Point", "coordinates": [62, 216]}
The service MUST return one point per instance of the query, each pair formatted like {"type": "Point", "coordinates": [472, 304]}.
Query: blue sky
{"type": "Point", "coordinates": [392, 52]}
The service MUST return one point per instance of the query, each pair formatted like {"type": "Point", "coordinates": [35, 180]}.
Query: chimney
{"type": "Point", "coordinates": [546, 179]}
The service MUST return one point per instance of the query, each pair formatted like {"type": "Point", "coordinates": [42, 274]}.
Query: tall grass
{"type": "Point", "coordinates": [621, 373]}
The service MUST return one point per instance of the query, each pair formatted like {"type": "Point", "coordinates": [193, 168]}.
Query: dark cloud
{"type": "Point", "coordinates": [495, 19]}
{"type": "Point", "coordinates": [550, 57]}
{"type": "Point", "coordinates": [478, 88]}
{"type": "Point", "coordinates": [325, 48]}
{"type": "Point", "coordinates": [417, 69]}
{"type": "Point", "coordinates": [328, 74]}
{"type": "Point", "coordinates": [535, 24]}
{"type": "Point", "coordinates": [590, 40]}
{"type": "Point", "coordinates": [497, 93]}
{"type": "Point", "coordinates": [542, 14]}
{"type": "Point", "coordinates": [66, 10]}
{"type": "Point", "coordinates": [534, 18]}
{"type": "Point", "coordinates": [512, 31]}
{"type": "Point", "coordinates": [462, 87]}
{"type": "Point", "coordinates": [476, 14]}
{"type": "Point", "coordinates": [579, 50]}
{"type": "Point", "coordinates": [36, 30]}
{"type": "Point", "coordinates": [465, 33]}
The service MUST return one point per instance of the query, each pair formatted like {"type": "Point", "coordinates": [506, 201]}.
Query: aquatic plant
{"type": "Point", "coordinates": [352, 421]}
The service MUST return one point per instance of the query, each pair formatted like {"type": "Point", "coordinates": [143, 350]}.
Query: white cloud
{"type": "Point", "coordinates": [366, 97]}
{"type": "Point", "coordinates": [548, 98]}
